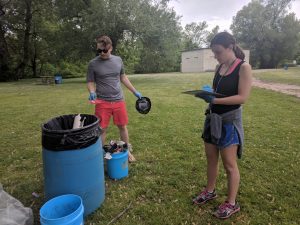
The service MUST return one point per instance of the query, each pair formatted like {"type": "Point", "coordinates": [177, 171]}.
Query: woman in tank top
{"type": "Point", "coordinates": [223, 131]}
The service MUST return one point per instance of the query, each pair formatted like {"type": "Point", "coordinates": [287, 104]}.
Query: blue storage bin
{"type": "Point", "coordinates": [62, 210]}
{"type": "Point", "coordinates": [58, 79]}
{"type": "Point", "coordinates": [117, 166]}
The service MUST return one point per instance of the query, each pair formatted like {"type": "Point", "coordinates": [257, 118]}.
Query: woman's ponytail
{"type": "Point", "coordinates": [238, 52]}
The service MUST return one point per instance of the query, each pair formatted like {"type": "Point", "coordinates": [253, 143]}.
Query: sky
{"type": "Point", "coordinates": [214, 12]}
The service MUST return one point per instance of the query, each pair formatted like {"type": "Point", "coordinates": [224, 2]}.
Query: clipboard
{"type": "Point", "coordinates": [202, 92]}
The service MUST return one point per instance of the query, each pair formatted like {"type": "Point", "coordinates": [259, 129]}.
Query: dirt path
{"type": "Point", "coordinates": [283, 88]}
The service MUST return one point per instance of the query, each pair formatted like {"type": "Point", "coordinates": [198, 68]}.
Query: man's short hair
{"type": "Point", "coordinates": [105, 40]}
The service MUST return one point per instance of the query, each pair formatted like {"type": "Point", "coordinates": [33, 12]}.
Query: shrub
{"type": "Point", "coordinates": [48, 70]}
{"type": "Point", "coordinates": [72, 70]}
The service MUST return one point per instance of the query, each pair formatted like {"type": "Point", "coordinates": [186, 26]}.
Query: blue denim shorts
{"type": "Point", "coordinates": [229, 136]}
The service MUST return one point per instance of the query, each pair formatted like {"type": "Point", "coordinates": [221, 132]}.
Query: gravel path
{"type": "Point", "coordinates": [283, 88]}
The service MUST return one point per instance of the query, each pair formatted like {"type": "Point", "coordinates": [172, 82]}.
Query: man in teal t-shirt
{"type": "Point", "coordinates": [104, 77]}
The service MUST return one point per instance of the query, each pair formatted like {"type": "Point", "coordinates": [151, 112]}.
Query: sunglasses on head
{"type": "Point", "coordinates": [99, 50]}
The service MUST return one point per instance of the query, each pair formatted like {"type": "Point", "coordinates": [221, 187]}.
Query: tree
{"type": "Point", "coordinates": [27, 29]}
{"type": "Point", "coordinates": [158, 30]}
{"type": "Point", "coordinates": [37, 37]}
{"type": "Point", "coordinates": [195, 35]}
{"type": "Point", "coordinates": [20, 29]}
{"type": "Point", "coordinates": [211, 34]}
{"type": "Point", "coordinates": [268, 31]}
{"type": "Point", "coordinates": [130, 50]}
{"type": "Point", "coordinates": [4, 53]}
{"type": "Point", "coordinates": [18, 22]}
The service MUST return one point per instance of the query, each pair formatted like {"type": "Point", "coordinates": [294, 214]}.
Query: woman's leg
{"type": "Point", "coordinates": [229, 156]}
{"type": "Point", "coordinates": [212, 156]}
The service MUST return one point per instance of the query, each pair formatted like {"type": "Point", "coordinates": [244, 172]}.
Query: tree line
{"type": "Point", "coordinates": [49, 36]}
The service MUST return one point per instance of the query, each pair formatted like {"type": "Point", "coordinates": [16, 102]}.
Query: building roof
{"type": "Point", "coordinates": [196, 49]}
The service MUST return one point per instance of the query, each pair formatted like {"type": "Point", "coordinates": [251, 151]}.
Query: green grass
{"type": "Point", "coordinates": [290, 76]}
{"type": "Point", "coordinates": [167, 144]}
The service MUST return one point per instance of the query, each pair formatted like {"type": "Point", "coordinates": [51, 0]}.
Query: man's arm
{"type": "Point", "coordinates": [92, 90]}
{"type": "Point", "coordinates": [127, 83]}
{"type": "Point", "coordinates": [91, 87]}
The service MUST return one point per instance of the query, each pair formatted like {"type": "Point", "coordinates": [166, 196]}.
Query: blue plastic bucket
{"type": "Point", "coordinates": [62, 210]}
{"type": "Point", "coordinates": [58, 79]}
{"type": "Point", "coordinates": [117, 166]}
{"type": "Point", "coordinates": [79, 172]}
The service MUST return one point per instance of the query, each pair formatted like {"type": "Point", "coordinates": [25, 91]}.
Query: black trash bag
{"type": "Point", "coordinates": [143, 105]}
{"type": "Point", "coordinates": [58, 135]}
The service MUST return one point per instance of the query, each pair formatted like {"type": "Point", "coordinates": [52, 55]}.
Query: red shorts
{"type": "Point", "coordinates": [104, 110]}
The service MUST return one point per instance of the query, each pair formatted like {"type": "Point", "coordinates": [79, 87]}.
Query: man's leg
{"type": "Point", "coordinates": [103, 112]}
{"type": "Point", "coordinates": [103, 136]}
{"type": "Point", "coordinates": [124, 137]}
{"type": "Point", "coordinates": [121, 120]}
{"type": "Point", "coordinates": [123, 133]}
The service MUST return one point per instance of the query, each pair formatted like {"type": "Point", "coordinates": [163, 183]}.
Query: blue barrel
{"type": "Point", "coordinates": [77, 171]}
{"type": "Point", "coordinates": [117, 166]}
{"type": "Point", "coordinates": [62, 210]}
{"type": "Point", "coordinates": [58, 79]}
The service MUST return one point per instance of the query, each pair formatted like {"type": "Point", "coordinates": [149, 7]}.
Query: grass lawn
{"type": "Point", "coordinates": [290, 76]}
{"type": "Point", "coordinates": [171, 161]}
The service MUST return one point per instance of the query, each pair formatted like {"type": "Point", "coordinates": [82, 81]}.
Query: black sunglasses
{"type": "Point", "coordinates": [101, 50]}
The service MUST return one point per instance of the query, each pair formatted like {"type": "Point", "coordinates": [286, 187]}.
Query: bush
{"type": "Point", "coordinates": [72, 70]}
{"type": "Point", "coordinates": [48, 70]}
{"type": "Point", "coordinates": [66, 69]}
{"type": "Point", "coordinates": [289, 65]}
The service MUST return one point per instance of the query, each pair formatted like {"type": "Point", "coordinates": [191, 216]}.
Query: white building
{"type": "Point", "coordinates": [201, 60]}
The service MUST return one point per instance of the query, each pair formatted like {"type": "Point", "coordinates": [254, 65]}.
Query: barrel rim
{"type": "Point", "coordinates": [44, 129]}
{"type": "Point", "coordinates": [119, 155]}
{"type": "Point", "coordinates": [79, 210]}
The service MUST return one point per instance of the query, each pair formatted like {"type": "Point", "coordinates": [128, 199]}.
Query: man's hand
{"type": "Point", "coordinates": [92, 96]}
{"type": "Point", "coordinates": [137, 94]}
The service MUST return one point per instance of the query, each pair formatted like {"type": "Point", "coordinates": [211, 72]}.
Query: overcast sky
{"type": "Point", "coordinates": [214, 12]}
